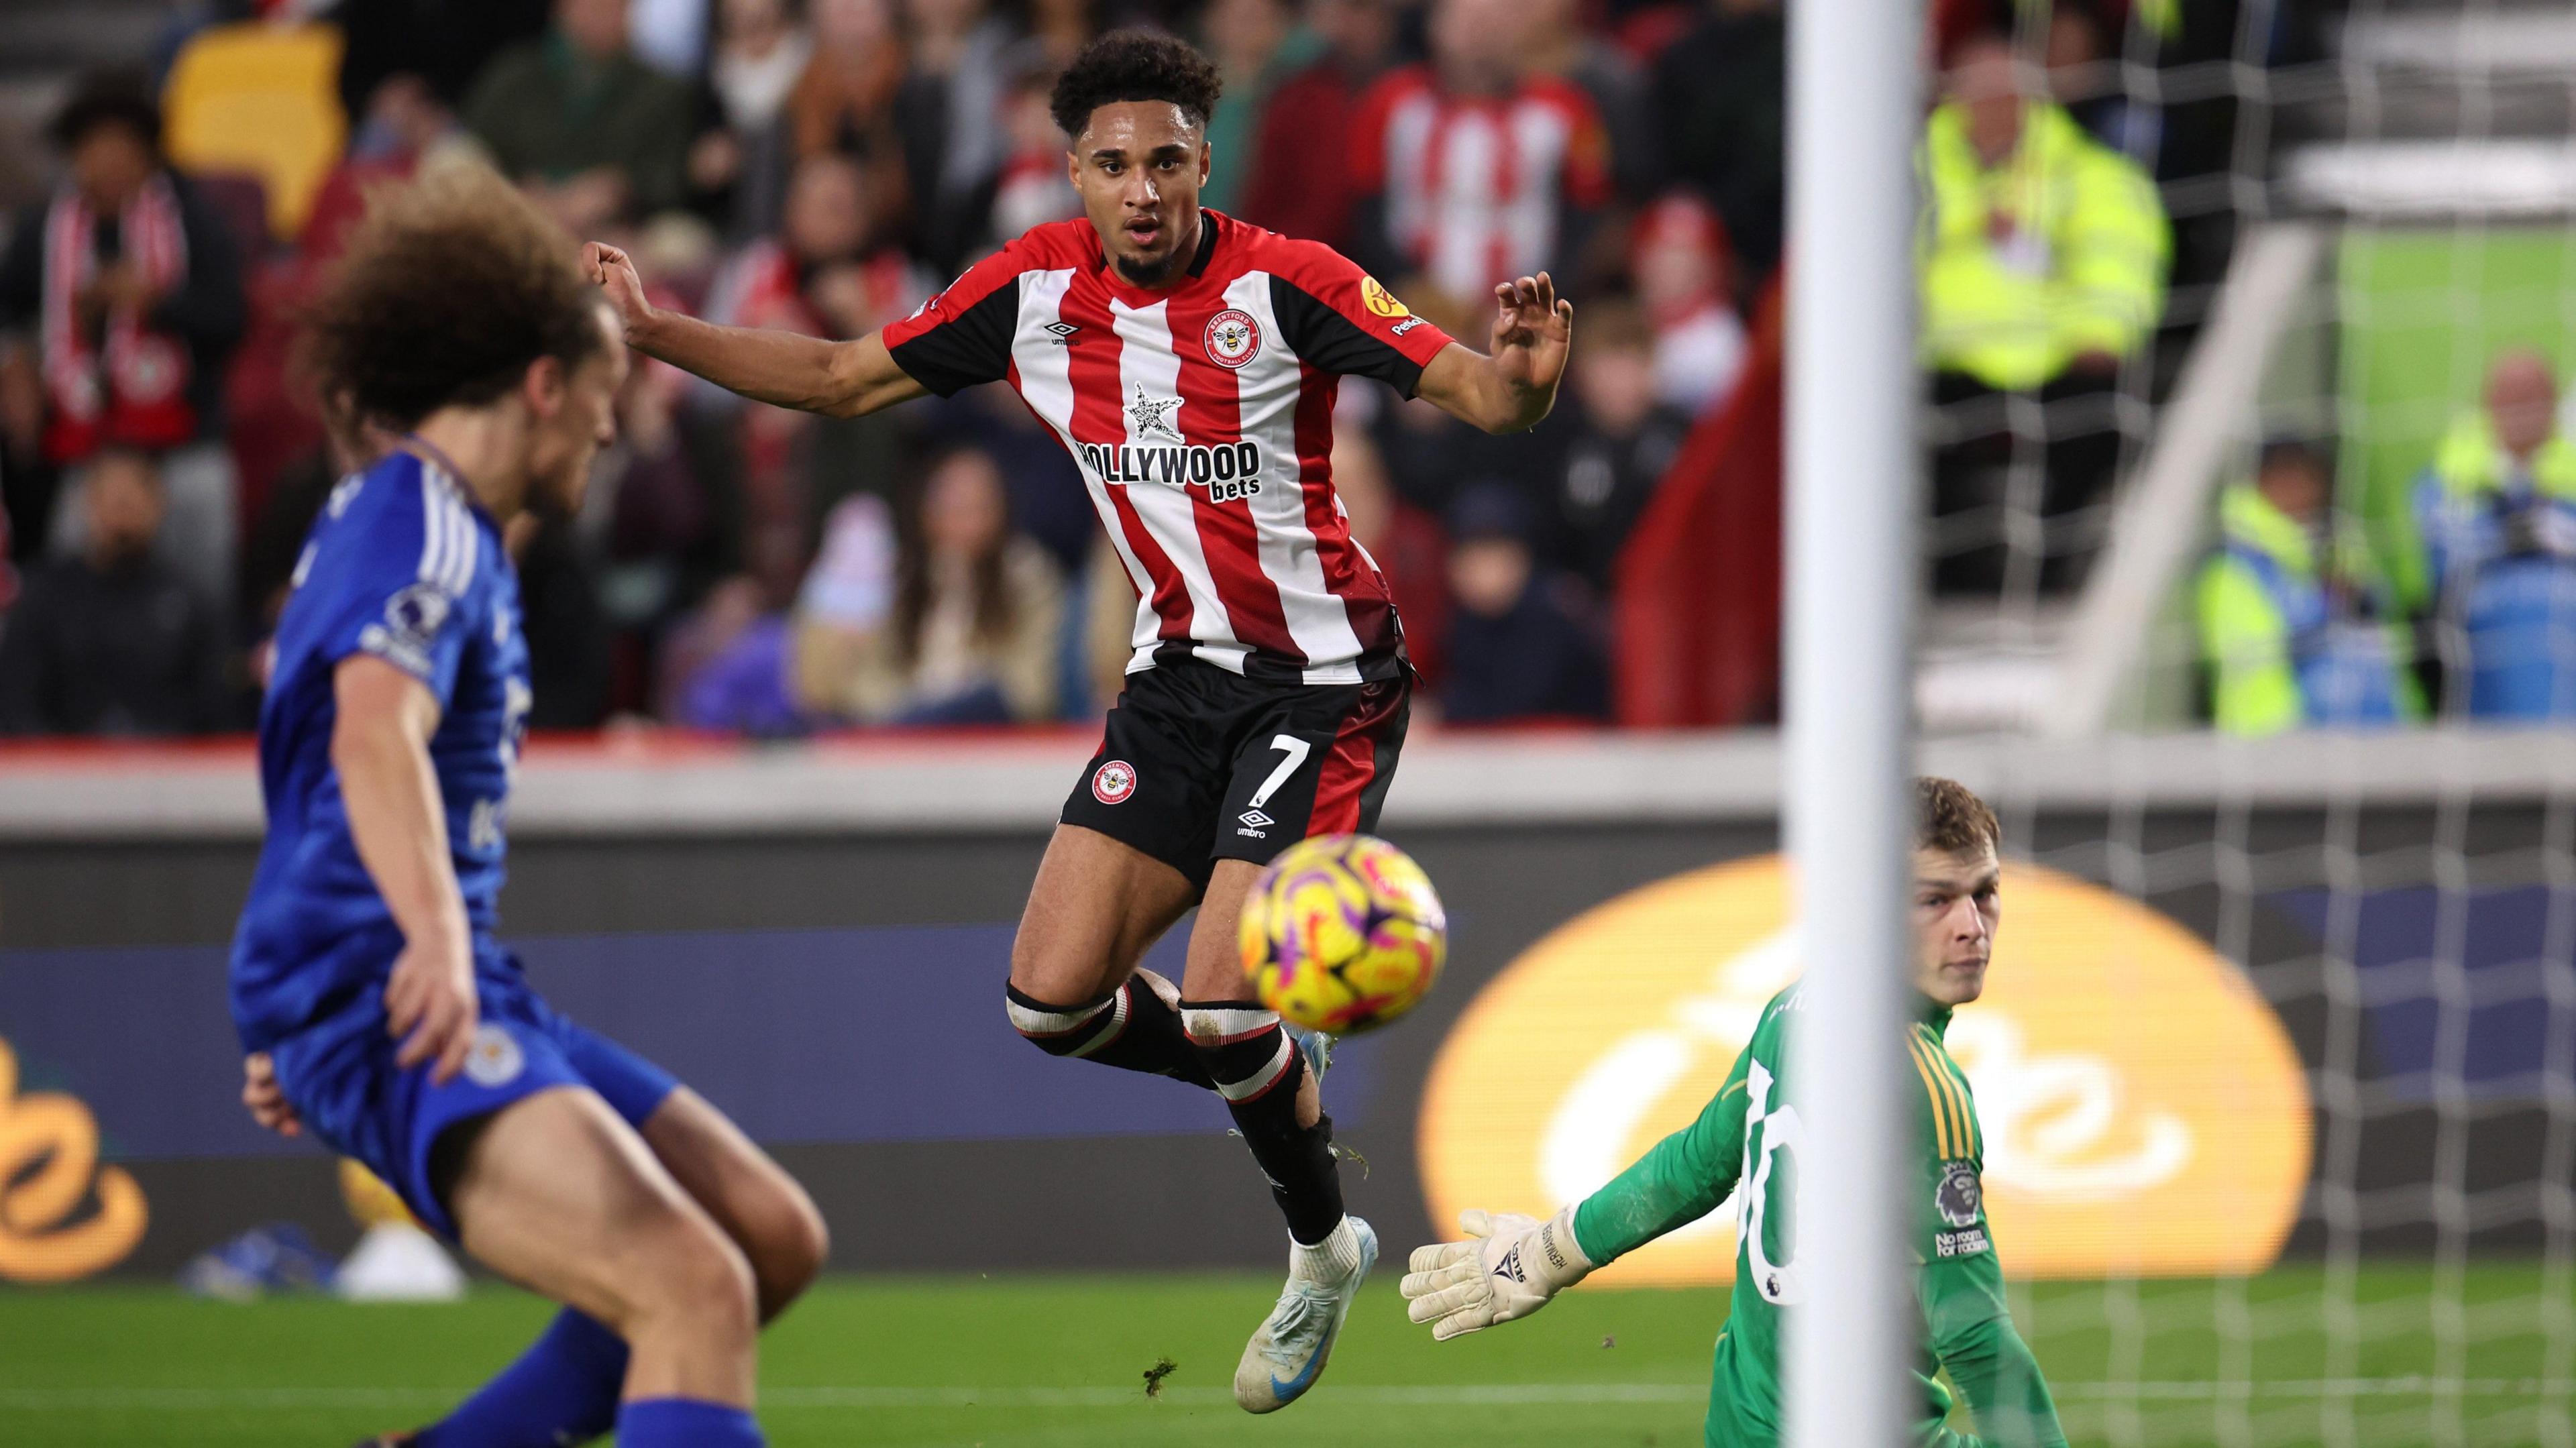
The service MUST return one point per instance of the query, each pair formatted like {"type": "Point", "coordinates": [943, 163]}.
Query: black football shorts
{"type": "Point", "coordinates": [1199, 764]}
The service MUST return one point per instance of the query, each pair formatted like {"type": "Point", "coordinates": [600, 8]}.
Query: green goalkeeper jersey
{"type": "Point", "coordinates": [1749, 1135]}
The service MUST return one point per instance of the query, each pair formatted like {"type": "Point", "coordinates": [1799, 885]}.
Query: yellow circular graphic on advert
{"type": "Point", "coordinates": [2143, 1111]}
{"type": "Point", "coordinates": [1380, 300]}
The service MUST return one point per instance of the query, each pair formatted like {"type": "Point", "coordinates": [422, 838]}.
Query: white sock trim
{"type": "Point", "coordinates": [1335, 1257]}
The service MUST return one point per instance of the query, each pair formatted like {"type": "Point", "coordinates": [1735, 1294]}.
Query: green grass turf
{"type": "Point", "coordinates": [1058, 1363]}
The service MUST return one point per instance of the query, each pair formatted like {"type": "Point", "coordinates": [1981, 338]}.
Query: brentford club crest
{"type": "Point", "coordinates": [1111, 783]}
{"type": "Point", "coordinates": [1232, 337]}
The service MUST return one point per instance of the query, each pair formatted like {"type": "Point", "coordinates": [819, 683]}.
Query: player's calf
{"type": "Point", "coordinates": [1136, 1027]}
{"type": "Point", "coordinates": [1259, 1071]}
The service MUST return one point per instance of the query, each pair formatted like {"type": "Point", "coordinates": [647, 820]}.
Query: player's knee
{"type": "Point", "coordinates": [787, 1250]}
{"type": "Point", "coordinates": [699, 1275]}
{"type": "Point", "coordinates": [1069, 1030]}
{"type": "Point", "coordinates": [1244, 1049]}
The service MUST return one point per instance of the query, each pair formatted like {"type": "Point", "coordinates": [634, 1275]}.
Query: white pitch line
{"type": "Point", "coordinates": [1456, 1395]}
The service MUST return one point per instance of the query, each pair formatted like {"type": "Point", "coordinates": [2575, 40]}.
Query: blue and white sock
{"type": "Point", "coordinates": [685, 1423]}
{"type": "Point", "coordinates": [562, 1390]}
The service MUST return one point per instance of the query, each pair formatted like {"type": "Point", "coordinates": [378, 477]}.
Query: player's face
{"type": "Point", "coordinates": [1956, 908]}
{"type": "Point", "coordinates": [569, 435]}
{"type": "Point", "coordinates": [1139, 166]}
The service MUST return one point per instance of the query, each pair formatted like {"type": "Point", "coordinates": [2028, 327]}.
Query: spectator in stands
{"type": "Point", "coordinates": [727, 664]}
{"type": "Point", "coordinates": [832, 271]}
{"type": "Point", "coordinates": [593, 133]}
{"type": "Point", "coordinates": [955, 114]}
{"type": "Point", "coordinates": [1720, 96]}
{"type": "Point", "coordinates": [446, 44]}
{"type": "Point", "coordinates": [1405, 542]}
{"type": "Point", "coordinates": [1622, 441]}
{"type": "Point", "coordinates": [2295, 628]}
{"type": "Point", "coordinates": [1685, 278]}
{"type": "Point", "coordinates": [1030, 189]}
{"type": "Point", "coordinates": [1561, 45]}
{"type": "Point", "coordinates": [112, 641]}
{"type": "Point", "coordinates": [1256, 44]}
{"type": "Point", "coordinates": [2496, 511]}
{"type": "Point", "coordinates": [1436, 209]}
{"type": "Point", "coordinates": [120, 302]}
{"type": "Point", "coordinates": [845, 99]}
{"type": "Point", "coordinates": [1518, 647]}
{"type": "Point", "coordinates": [976, 626]}
{"type": "Point", "coordinates": [737, 163]}
{"type": "Point", "coordinates": [2042, 256]}
{"type": "Point", "coordinates": [1059, 29]}
{"type": "Point", "coordinates": [761, 52]}
{"type": "Point", "coordinates": [564, 621]}
{"type": "Point", "coordinates": [1299, 180]}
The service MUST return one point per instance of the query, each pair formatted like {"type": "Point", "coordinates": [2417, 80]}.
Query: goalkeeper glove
{"type": "Point", "coordinates": [1508, 1268]}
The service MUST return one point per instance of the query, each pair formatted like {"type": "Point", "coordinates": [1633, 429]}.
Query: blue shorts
{"type": "Point", "coordinates": [340, 1076]}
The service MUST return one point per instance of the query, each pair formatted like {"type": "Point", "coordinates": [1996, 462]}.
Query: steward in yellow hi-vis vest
{"type": "Point", "coordinates": [2295, 628]}
{"type": "Point", "coordinates": [2496, 514]}
{"type": "Point", "coordinates": [2053, 251]}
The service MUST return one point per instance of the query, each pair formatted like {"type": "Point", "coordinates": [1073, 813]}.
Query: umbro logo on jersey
{"type": "Point", "coordinates": [1062, 332]}
{"type": "Point", "coordinates": [1256, 825]}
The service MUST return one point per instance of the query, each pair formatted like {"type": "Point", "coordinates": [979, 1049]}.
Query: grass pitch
{"type": "Point", "coordinates": [2401, 1354]}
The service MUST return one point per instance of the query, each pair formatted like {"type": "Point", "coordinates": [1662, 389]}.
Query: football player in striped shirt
{"type": "Point", "coordinates": [1511, 1265]}
{"type": "Point", "coordinates": [1188, 361]}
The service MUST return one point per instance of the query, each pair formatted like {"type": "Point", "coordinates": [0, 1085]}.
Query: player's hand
{"type": "Point", "coordinates": [265, 1098]}
{"type": "Point", "coordinates": [615, 272]}
{"type": "Point", "coordinates": [1533, 327]}
{"type": "Point", "coordinates": [430, 1007]}
{"type": "Point", "coordinates": [1508, 1267]}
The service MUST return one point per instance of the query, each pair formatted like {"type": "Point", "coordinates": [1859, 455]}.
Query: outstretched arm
{"type": "Point", "coordinates": [1512, 389]}
{"type": "Point", "coordinates": [1511, 1265]}
{"type": "Point", "coordinates": [786, 369]}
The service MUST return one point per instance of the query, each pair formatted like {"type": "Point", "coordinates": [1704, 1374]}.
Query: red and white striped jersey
{"type": "Point", "coordinates": [1475, 187]}
{"type": "Point", "coordinates": [1201, 417]}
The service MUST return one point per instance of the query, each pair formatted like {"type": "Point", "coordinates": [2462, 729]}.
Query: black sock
{"type": "Point", "coordinates": [1132, 1028]}
{"type": "Point", "coordinates": [1259, 1071]}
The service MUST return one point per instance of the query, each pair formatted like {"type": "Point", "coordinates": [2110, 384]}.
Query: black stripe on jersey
{"type": "Point", "coordinates": [1375, 666]}
{"type": "Point", "coordinates": [1331, 342]}
{"type": "Point", "coordinates": [970, 348]}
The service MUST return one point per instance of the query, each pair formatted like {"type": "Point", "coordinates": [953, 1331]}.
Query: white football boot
{"type": "Point", "coordinates": [1288, 1352]}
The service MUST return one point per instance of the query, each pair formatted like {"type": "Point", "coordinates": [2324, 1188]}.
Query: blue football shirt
{"type": "Point", "coordinates": [403, 565]}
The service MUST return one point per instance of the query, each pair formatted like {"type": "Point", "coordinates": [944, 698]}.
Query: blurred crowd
{"type": "Point", "coordinates": [824, 165]}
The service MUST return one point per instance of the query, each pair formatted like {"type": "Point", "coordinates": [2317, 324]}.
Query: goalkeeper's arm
{"type": "Point", "coordinates": [1510, 1265]}
{"type": "Point", "coordinates": [1972, 1333]}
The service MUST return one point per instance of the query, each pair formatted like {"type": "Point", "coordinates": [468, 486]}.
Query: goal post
{"type": "Point", "coordinates": [1854, 84]}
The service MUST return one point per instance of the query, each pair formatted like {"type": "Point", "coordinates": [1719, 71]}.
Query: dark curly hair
{"type": "Point", "coordinates": [109, 98]}
{"type": "Point", "coordinates": [450, 288]}
{"type": "Point", "coordinates": [1135, 65]}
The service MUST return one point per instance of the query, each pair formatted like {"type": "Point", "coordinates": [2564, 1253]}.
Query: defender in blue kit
{"type": "Point", "coordinates": [378, 1010]}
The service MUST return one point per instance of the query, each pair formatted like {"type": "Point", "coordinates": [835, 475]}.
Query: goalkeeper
{"type": "Point", "coordinates": [1512, 1264]}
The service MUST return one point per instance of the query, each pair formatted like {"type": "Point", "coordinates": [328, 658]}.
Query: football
{"type": "Point", "coordinates": [1343, 933]}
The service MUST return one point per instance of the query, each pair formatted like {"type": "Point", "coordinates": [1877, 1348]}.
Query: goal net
{"type": "Point", "coordinates": [2347, 1216]}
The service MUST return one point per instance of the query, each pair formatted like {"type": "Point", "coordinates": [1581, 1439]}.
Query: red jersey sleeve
{"type": "Point", "coordinates": [962, 336]}
{"type": "Point", "coordinates": [1340, 319]}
